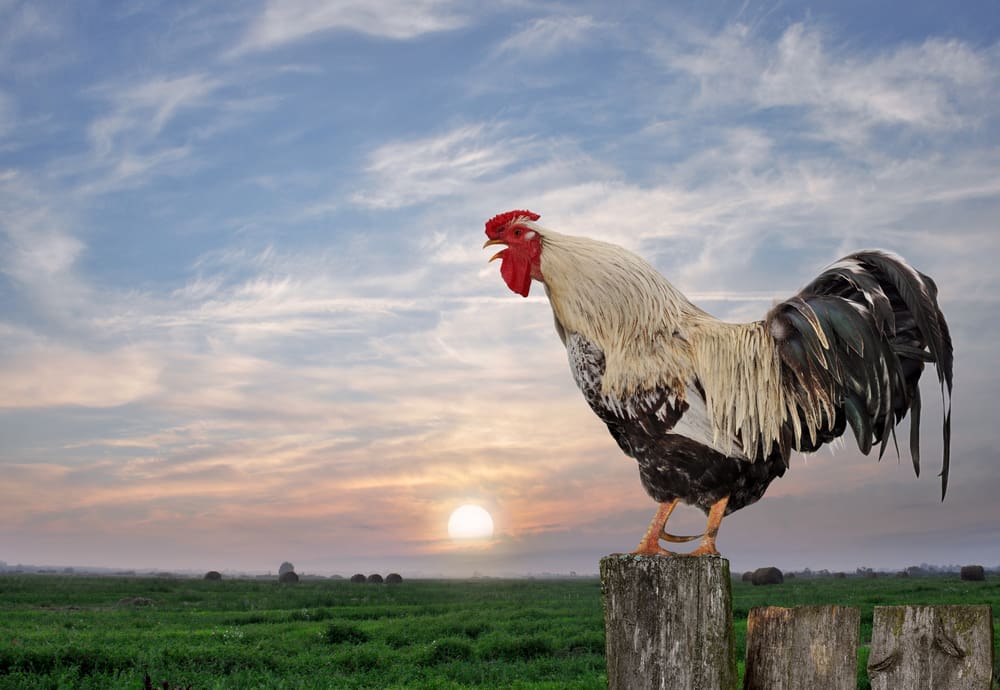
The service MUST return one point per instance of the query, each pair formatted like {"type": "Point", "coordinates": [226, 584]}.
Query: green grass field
{"type": "Point", "coordinates": [74, 631]}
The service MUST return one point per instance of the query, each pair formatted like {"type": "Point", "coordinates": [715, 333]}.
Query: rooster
{"type": "Point", "coordinates": [712, 410]}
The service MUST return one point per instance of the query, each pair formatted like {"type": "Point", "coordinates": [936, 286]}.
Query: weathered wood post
{"type": "Point", "coordinates": [805, 647]}
{"type": "Point", "coordinates": [931, 648]}
{"type": "Point", "coordinates": [668, 622]}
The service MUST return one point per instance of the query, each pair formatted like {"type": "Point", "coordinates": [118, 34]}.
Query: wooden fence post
{"type": "Point", "coordinates": [668, 622]}
{"type": "Point", "coordinates": [805, 647]}
{"type": "Point", "coordinates": [931, 648]}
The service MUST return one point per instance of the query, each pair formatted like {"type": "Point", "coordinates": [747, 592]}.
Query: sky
{"type": "Point", "coordinates": [246, 316]}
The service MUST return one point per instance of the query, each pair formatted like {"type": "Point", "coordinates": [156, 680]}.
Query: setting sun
{"type": "Point", "coordinates": [470, 522]}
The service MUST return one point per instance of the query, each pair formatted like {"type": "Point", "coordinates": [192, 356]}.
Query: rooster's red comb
{"type": "Point", "coordinates": [494, 224]}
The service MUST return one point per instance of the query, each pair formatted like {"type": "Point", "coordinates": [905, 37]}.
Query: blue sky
{"type": "Point", "coordinates": [245, 316]}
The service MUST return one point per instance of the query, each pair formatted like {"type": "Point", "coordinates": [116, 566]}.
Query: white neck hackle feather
{"type": "Point", "coordinates": [652, 336]}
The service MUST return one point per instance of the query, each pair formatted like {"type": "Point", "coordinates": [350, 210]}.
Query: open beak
{"type": "Point", "coordinates": [499, 254]}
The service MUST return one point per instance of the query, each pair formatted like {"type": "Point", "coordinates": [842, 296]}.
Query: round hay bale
{"type": "Point", "coordinates": [213, 575]}
{"type": "Point", "coordinates": [358, 577]}
{"type": "Point", "coordinates": [840, 576]}
{"type": "Point", "coordinates": [767, 576]}
{"type": "Point", "coordinates": [288, 578]}
{"type": "Point", "coordinates": [393, 579]}
{"type": "Point", "coordinates": [375, 579]}
{"type": "Point", "coordinates": [974, 573]}
{"type": "Point", "coordinates": [748, 576]}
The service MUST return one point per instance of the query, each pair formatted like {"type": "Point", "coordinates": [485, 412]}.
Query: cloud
{"type": "Point", "coordinates": [925, 86]}
{"type": "Point", "coordinates": [287, 21]}
{"type": "Point", "coordinates": [140, 111]}
{"type": "Point", "coordinates": [24, 23]}
{"type": "Point", "coordinates": [52, 375]}
{"type": "Point", "coordinates": [163, 124]}
{"type": "Point", "coordinates": [416, 171]}
{"type": "Point", "coordinates": [547, 36]}
{"type": "Point", "coordinates": [472, 168]}
{"type": "Point", "coordinates": [38, 250]}
{"type": "Point", "coordinates": [132, 141]}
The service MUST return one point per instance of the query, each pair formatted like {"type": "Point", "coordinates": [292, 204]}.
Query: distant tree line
{"type": "Point", "coordinates": [966, 572]}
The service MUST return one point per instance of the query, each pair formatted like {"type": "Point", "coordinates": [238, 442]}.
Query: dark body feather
{"type": "Point", "coordinates": [671, 465]}
{"type": "Point", "coordinates": [852, 345]}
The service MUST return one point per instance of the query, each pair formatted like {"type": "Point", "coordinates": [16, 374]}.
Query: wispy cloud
{"type": "Point", "coordinates": [141, 110]}
{"type": "Point", "coordinates": [286, 21]}
{"type": "Point", "coordinates": [923, 86]}
{"type": "Point", "coordinates": [52, 375]}
{"type": "Point", "coordinates": [416, 171]}
{"type": "Point", "coordinates": [39, 249]}
{"type": "Point", "coordinates": [20, 25]}
{"type": "Point", "coordinates": [547, 36]}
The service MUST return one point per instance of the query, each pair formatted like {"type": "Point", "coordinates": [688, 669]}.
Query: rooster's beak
{"type": "Point", "coordinates": [495, 240]}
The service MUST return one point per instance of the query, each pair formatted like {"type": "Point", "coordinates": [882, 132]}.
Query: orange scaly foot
{"type": "Point", "coordinates": [650, 543]}
{"type": "Point", "coordinates": [715, 515]}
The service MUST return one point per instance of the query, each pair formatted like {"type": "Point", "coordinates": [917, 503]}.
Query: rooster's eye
{"type": "Point", "coordinates": [517, 233]}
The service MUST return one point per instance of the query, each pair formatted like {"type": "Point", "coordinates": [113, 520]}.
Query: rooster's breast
{"type": "Point", "coordinates": [671, 438]}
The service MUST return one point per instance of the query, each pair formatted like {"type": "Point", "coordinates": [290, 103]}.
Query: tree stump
{"type": "Point", "coordinates": [668, 622]}
{"type": "Point", "coordinates": [931, 648]}
{"type": "Point", "coordinates": [804, 647]}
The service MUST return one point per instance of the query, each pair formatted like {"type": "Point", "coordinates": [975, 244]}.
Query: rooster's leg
{"type": "Point", "coordinates": [650, 544]}
{"type": "Point", "coordinates": [715, 515]}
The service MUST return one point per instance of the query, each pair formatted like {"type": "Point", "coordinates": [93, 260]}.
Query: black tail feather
{"type": "Point", "coordinates": [859, 336]}
{"type": "Point", "coordinates": [915, 428]}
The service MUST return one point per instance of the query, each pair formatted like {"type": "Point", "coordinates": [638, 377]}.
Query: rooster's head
{"type": "Point", "coordinates": [520, 261]}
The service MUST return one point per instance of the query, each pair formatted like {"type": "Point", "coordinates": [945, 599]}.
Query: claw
{"type": "Point", "coordinates": [715, 515]}
{"type": "Point", "coordinates": [675, 539]}
{"type": "Point", "coordinates": [652, 550]}
{"type": "Point", "coordinates": [650, 544]}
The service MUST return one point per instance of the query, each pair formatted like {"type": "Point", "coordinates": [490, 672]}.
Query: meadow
{"type": "Point", "coordinates": [117, 632]}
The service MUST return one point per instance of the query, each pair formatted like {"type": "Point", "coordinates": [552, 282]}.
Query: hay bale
{"type": "Point", "coordinates": [213, 575]}
{"type": "Point", "coordinates": [358, 577]}
{"type": "Point", "coordinates": [767, 576]}
{"type": "Point", "coordinates": [973, 573]}
{"type": "Point", "coordinates": [375, 579]}
{"type": "Point", "coordinates": [840, 576]}
{"type": "Point", "coordinates": [393, 579]}
{"type": "Point", "coordinates": [288, 578]}
{"type": "Point", "coordinates": [748, 576]}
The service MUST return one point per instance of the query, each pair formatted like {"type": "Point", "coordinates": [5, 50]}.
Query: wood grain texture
{"type": "Point", "coordinates": [931, 648]}
{"type": "Point", "coordinates": [668, 622]}
{"type": "Point", "coordinates": [803, 648]}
